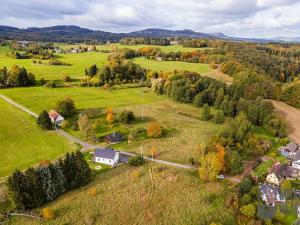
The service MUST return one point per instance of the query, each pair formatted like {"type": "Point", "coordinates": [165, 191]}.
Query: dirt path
{"type": "Point", "coordinates": [292, 116]}
{"type": "Point", "coordinates": [217, 74]}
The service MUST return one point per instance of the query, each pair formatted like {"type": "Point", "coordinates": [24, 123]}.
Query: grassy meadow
{"type": "Point", "coordinates": [23, 144]}
{"type": "Point", "coordinates": [148, 195]}
{"type": "Point", "coordinates": [79, 62]}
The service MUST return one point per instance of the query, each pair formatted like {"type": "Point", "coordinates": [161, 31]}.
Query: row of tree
{"type": "Point", "coordinates": [36, 186]}
{"type": "Point", "coordinates": [16, 77]}
{"type": "Point", "coordinates": [145, 41]}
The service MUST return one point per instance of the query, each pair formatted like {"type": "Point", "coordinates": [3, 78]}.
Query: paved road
{"type": "Point", "coordinates": [86, 146]}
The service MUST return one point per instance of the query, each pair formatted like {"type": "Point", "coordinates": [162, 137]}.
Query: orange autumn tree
{"type": "Point", "coordinates": [221, 156]}
{"type": "Point", "coordinates": [154, 130]}
{"type": "Point", "coordinates": [110, 117]}
{"type": "Point", "coordinates": [153, 152]}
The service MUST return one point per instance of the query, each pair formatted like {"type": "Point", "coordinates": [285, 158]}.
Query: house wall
{"type": "Point", "coordinates": [110, 162]}
{"type": "Point", "coordinates": [271, 178]}
{"type": "Point", "coordinates": [296, 164]}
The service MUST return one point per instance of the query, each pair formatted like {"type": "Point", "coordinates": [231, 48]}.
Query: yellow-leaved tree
{"type": "Point", "coordinates": [209, 166]}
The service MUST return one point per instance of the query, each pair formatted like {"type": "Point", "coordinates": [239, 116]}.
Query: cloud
{"type": "Point", "coordinates": [245, 18]}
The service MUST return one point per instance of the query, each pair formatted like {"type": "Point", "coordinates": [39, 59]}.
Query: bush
{"type": "Point", "coordinates": [48, 213]}
{"type": "Point", "coordinates": [134, 134]}
{"type": "Point", "coordinates": [66, 79]}
{"type": "Point", "coordinates": [66, 107]}
{"type": "Point", "coordinates": [248, 210]}
{"type": "Point", "coordinates": [50, 84]}
{"type": "Point", "coordinates": [92, 191]}
{"type": "Point", "coordinates": [126, 117]}
{"type": "Point", "coordinates": [154, 130]}
{"type": "Point", "coordinates": [245, 185]}
{"type": "Point", "coordinates": [137, 160]}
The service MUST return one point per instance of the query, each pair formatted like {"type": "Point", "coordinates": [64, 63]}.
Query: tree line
{"type": "Point", "coordinates": [144, 41]}
{"type": "Point", "coordinates": [36, 186]}
{"type": "Point", "coordinates": [16, 77]}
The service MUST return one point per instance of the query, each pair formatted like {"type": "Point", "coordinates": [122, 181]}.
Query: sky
{"type": "Point", "coordinates": [239, 18]}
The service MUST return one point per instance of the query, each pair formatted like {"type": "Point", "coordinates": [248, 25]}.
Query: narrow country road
{"type": "Point", "coordinates": [86, 146]}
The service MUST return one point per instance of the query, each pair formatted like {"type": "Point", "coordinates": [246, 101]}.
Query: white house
{"type": "Point", "coordinates": [56, 118]}
{"type": "Point", "coordinates": [106, 156]}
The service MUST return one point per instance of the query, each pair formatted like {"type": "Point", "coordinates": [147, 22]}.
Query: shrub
{"type": "Point", "coordinates": [245, 185]}
{"type": "Point", "coordinates": [154, 130]}
{"type": "Point", "coordinates": [92, 191]}
{"type": "Point", "coordinates": [42, 81]}
{"type": "Point", "coordinates": [134, 134]}
{"type": "Point", "coordinates": [248, 210]}
{"type": "Point", "coordinates": [50, 84]}
{"type": "Point", "coordinates": [66, 107]}
{"type": "Point", "coordinates": [126, 117]}
{"type": "Point", "coordinates": [137, 160]}
{"type": "Point", "coordinates": [48, 213]}
{"type": "Point", "coordinates": [66, 79]}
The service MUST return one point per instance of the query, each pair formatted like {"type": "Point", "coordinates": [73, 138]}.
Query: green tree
{"type": "Point", "coordinates": [205, 113]}
{"type": "Point", "coordinates": [66, 107]}
{"type": "Point", "coordinates": [44, 121]}
{"type": "Point", "coordinates": [126, 117]}
{"type": "Point", "coordinates": [219, 117]}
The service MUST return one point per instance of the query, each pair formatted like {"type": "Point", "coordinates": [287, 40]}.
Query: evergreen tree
{"type": "Point", "coordinates": [35, 182]}
{"type": "Point", "coordinates": [44, 121]}
{"type": "Point", "coordinates": [219, 117]}
{"type": "Point", "coordinates": [205, 113]}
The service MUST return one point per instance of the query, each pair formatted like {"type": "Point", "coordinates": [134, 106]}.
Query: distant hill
{"type": "Point", "coordinates": [66, 33]}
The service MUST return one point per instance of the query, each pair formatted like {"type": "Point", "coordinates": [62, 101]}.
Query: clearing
{"type": "Point", "coordinates": [154, 195]}
{"type": "Point", "coordinates": [23, 144]}
{"type": "Point", "coordinates": [292, 116]}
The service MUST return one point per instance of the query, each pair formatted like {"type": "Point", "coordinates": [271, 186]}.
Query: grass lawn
{"type": "Point", "coordinates": [39, 98]}
{"type": "Point", "coordinates": [79, 63]}
{"type": "Point", "coordinates": [170, 66]}
{"type": "Point", "coordinates": [142, 196]}
{"type": "Point", "coordinates": [23, 144]}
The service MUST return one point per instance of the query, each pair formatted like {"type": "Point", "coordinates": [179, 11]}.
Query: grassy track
{"type": "Point", "coordinates": [23, 144]}
{"type": "Point", "coordinates": [158, 196]}
{"type": "Point", "coordinates": [170, 66]}
{"type": "Point", "coordinates": [79, 63]}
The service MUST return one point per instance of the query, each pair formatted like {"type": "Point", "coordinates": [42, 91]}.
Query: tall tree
{"type": "Point", "coordinates": [44, 120]}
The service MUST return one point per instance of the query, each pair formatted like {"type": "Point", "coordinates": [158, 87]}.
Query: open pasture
{"type": "Point", "coordinates": [23, 144]}
{"type": "Point", "coordinates": [148, 195]}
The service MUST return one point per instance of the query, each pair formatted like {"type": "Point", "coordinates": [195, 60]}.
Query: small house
{"type": "Point", "coordinates": [271, 195]}
{"type": "Point", "coordinates": [55, 117]}
{"type": "Point", "coordinates": [278, 173]}
{"type": "Point", "coordinates": [290, 149]}
{"type": "Point", "coordinates": [296, 160]}
{"type": "Point", "coordinates": [106, 156]}
{"type": "Point", "coordinates": [114, 138]}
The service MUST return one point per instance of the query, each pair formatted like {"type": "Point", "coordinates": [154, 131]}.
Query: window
{"type": "Point", "coordinates": [110, 161]}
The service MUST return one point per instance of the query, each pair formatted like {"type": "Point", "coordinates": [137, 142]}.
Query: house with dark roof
{"type": "Point", "coordinates": [278, 173]}
{"type": "Point", "coordinates": [106, 156]}
{"type": "Point", "coordinates": [55, 117]}
{"type": "Point", "coordinates": [271, 194]}
{"type": "Point", "coordinates": [290, 149]}
{"type": "Point", "coordinates": [114, 138]}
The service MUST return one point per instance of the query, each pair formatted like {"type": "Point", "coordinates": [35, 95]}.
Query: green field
{"type": "Point", "coordinates": [79, 61]}
{"type": "Point", "coordinates": [110, 47]}
{"type": "Point", "coordinates": [23, 144]}
{"type": "Point", "coordinates": [40, 98]}
{"type": "Point", "coordinates": [142, 196]}
{"type": "Point", "coordinates": [170, 66]}
{"type": "Point", "coordinates": [186, 135]}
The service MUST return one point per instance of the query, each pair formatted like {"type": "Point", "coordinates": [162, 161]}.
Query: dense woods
{"type": "Point", "coordinates": [145, 41]}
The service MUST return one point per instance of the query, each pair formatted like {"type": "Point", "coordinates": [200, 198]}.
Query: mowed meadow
{"type": "Point", "coordinates": [23, 144]}
{"type": "Point", "coordinates": [148, 195]}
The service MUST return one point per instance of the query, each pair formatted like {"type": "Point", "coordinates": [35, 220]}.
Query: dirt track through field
{"type": "Point", "coordinates": [292, 116]}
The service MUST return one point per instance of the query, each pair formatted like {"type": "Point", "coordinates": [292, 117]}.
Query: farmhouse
{"type": "Point", "coordinates": [271, 195]}
{"type": "Point", "coordinates": [114, 138]}
{"type": "Point", "coordinates": [55, 117]}
{"type": "Point", "coordinates": [279, 172]}
{"type": "Point", "coordinates": [106, 156]}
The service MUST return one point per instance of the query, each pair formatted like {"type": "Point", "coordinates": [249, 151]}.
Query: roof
{"type": "Point", "coordinates": [105, 153]}
{"type": "Point", "coordinates": [282, 171]}
{"type": "Point", "coordinates": [114, 137]}
{"type": "Point", "coordinates": [296, 157]}
{"type": "Point", "coordinates": [270, 192]}
{"type": "Point", "coordinates": [53, 114]}
{"type": "Point", "coordinates": [292, 147]}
